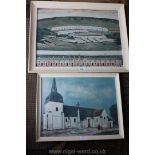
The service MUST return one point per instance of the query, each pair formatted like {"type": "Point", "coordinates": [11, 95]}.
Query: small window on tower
{"type": "Point", "coordinates": [56, 108]}
{"type": "Point", "coordinates": [74, 120]}
{"type": "Point", "coordinates": [66, 119]}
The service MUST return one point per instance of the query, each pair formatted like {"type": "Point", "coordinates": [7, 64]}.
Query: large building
{"type": "Point", "coordinates": [77, 60]}
{"type": "Point", "coordinates": [57, 115]}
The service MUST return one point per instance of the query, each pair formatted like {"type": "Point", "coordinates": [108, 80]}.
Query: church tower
{"type": "Point", "coordinates": [54, 116]}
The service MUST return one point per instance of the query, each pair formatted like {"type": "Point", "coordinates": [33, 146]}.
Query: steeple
{"type": "Point", "coordinates": [54, 87]}
{"type": "Point", "coordinates": [54, 96]}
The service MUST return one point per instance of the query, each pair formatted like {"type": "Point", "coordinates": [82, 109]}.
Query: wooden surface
{"type": "Point", "coordinates": [112, 147]}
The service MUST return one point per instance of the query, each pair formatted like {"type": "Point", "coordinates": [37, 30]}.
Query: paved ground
{"type": "Point", "coordinates": [76, 132]}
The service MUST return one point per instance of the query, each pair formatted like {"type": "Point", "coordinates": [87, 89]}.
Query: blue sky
{"type": "Point", "coordinates": [96, 92]}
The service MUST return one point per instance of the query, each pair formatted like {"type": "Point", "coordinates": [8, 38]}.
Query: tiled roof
{"type": "Point", "coordinates": [54, 97]}
{"type": "Point", "coordinates": [71, 111]}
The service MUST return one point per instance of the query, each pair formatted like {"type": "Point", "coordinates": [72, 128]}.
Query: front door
{"type": "Point", "coordinates": [57, 122]}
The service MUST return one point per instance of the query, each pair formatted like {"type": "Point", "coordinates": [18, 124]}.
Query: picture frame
{"type": "Point", "coordinates": [77, 37]}
{"type": "Point", "coordinates": [59, 118]}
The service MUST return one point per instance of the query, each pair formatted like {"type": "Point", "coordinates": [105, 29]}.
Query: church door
{"type": "Point", "coordinates": [57, 124]}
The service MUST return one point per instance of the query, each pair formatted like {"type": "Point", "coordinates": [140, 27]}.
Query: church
{"type": "Point", "coordinates": [57, 115]}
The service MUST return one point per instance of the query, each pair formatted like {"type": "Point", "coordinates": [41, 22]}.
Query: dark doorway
{"type": "Point", "coordinates": [88, 123]}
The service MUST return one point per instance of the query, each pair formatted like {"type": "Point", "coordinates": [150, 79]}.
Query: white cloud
{"type": "Point", "coordinates": [78, 91]}
{"type": "Point", "coordinates": [88, 92]}
{"type": "Point", "coordinates": [107, 92]}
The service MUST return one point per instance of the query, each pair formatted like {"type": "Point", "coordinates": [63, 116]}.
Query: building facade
{"type": "Point", "coordinates": [77, 60]}
{"type": "Point", "coordinates": [60, 116]}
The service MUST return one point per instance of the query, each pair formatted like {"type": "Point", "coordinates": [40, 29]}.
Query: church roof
{"type": "Point", "coordinates": [54, 96]}
{"type": "Point", "coordinates": [71, 111]}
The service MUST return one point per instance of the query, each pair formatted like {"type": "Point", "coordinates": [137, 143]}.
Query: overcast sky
{"type": "Point", "coordinates": [97, 92]}
{"type": "Point", "coordinates": [49, 13]}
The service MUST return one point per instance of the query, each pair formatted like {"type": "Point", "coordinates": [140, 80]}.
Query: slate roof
{"type": "Point", "coordinates": [71, 111]}
{"type": "Point", "coordinates": [54, 95]}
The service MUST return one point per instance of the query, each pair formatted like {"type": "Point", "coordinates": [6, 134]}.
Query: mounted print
{"type": "Point", "coordinates": [79, 106]}
{"type": "Point", "coordinates": [74, 36]}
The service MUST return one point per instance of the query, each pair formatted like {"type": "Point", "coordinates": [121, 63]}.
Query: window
{"type": "Point", "coordinates": [66, 119]}
{"type": "Point", "coordinates": [104, 117]}
{"type": "Point", "coordinates": [56, 108]}
{"type": "Point", "coordinates": [74, 120]}
{"type": "Point", "coordinates": [96, 120]}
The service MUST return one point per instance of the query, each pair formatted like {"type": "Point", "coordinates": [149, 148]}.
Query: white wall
{"type": "Point", "coordinates": [55, 118]}
{"type": "Point", "coordinates": [73, 124]}
{"type": "Point", "coordinates": [96, 121]}
{"type": "Point", "coordinates": [70, 122]}
{"type": "Point", "coordinates": [51, 106]}
{"type": "Point", "coordinates": [66, 124]}
{"type": "Point", "coordinates": [44, 122]}
{"type": "Point", "coordinates": [50, 121]}
{"type": "Point", "coordinates": [104, 120]}
{"type": "Point", "coordinates": [85, 122]}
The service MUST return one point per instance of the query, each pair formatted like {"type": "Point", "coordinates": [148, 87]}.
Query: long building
{"type": "Point", "coordinates": [89, 28]}
{"type": "Point", "coordinates": [77, 60]}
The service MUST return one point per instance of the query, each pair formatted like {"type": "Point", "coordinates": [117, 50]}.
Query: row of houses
{"type": "Point", "coordinates": [84, 61]}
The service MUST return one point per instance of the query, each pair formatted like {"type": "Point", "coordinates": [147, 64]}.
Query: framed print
{"type": "Point", "coordinates": [77, 36]}
{"type": "Point", "coordinates": [79, 106]}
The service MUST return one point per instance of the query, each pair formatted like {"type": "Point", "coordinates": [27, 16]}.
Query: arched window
{"type": "Point", "coordinates": [66, 119]}
{"type": "Point", "coordinates": [56, 108]}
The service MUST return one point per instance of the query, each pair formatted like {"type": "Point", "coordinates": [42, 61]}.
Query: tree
{"type": "Point", "coordinates": [113, 112]}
